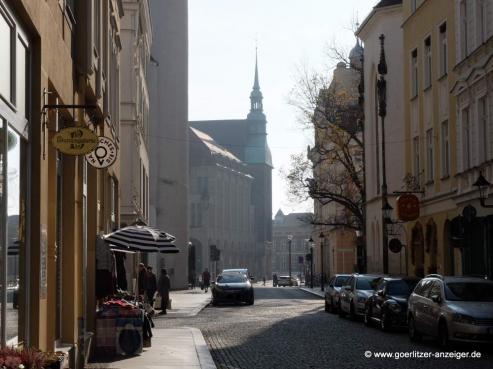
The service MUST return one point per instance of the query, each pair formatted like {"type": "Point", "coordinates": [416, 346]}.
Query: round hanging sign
{"type": "Point", "coordinates": [407, 207]}
{"type": "Point", "coordinates": [395, 245]}
{"type": "Point", "coordinates": [75, 140]}
{"type": "Point", "coordinates": [104, 154]}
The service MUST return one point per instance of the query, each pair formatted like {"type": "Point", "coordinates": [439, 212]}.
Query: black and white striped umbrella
{"type": "Point", "coordinates": [141, 238]}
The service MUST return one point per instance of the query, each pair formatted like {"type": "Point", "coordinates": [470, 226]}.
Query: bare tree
{"type": "Point", "coordinates": [332, 171]}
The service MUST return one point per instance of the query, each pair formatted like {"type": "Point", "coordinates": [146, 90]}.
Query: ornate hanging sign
{"type": "Point", "coordinates": [395, 245]}
{"type": "Point", "coordinates": [75, 140]}
{"type": "Point", "coordinates": [407, 207]}
{"type": "Point", "coordinates": [104, 154]}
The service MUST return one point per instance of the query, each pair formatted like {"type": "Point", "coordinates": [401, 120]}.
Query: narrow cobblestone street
{"type": "Point", "coordinates": [288, 328]}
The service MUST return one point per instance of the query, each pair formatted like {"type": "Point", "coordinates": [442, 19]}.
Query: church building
{"type": "Point", "coordinates": [247, 140]}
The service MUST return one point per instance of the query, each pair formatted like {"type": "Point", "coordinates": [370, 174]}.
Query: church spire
{"type": "Point", "coordinates": [256, 95]}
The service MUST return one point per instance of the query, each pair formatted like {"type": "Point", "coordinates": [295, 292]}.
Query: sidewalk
{"type": "Point", "coordinates": [186, 303]}
{"type": "Point", "coordinates": [173, 348]}
{"type": "Point", "coordinates": [180, 348]}
{"type": "Point", "coordinates": [314, 291]}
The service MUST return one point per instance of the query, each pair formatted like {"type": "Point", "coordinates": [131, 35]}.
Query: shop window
{"type": "Point", "coordinates": [6, 59]}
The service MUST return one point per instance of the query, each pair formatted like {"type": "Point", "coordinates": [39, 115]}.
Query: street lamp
{"type": "Point", "coordinates": [482, 184]}
{"type": "Point", "coordinates": [382, 112]}
{"type": "Point", "coordinates": [311, 243]}
{"type": "Point", "coordinates": [290, 239]}
{"type": "Point", "coordinates": [322, 238]}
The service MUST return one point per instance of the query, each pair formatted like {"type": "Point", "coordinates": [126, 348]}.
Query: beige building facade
{"type": "Point", "coordinates": [385, 19]}
{"type": "Point", "coordinates": [60, 68]}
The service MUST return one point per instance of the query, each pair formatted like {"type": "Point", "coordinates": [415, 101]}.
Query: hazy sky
{"type": "Point", "coordinates": [289, 33]}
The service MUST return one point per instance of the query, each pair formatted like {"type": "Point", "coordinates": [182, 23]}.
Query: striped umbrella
{"type": "Point", "coordinates": [141, 238]}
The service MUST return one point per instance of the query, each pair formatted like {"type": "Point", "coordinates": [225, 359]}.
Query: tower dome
{"type": "Point", "coordinates": [356, 55]}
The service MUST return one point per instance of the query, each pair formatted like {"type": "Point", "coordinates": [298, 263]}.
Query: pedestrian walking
{"type": "Point", "coordinates": [263, 280]}
{"type": "Point", "coordinates": [164, 286]}
{"type": "Point", "coordinates": [142, 279]}
{"type": "Point", "coordinates": [151, 285]}
{"type": "Point", "coordinates": [206, 279]}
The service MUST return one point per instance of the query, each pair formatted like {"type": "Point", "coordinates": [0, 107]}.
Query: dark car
{"type": "Point", "coordinates": [332, 294]}
{"type": "Point", "coordinates": [388, 304]}
{"type": "Point", "coordinates": [232, 287]}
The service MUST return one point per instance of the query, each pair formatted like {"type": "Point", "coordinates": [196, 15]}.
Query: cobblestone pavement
{"type": "Point", "coordinates": [288, 328]}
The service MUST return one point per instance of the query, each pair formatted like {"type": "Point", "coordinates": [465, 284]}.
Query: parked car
{"type": "Point", "coordinates": [332, 293]}
{"type": "Point", "coordinates": [354, 294]}
{"type": "Point", "coordinates": [295, 281]}
{"type": "Point", "coordinates": [284, 281]}
{"type": "Point", "coordinates": [388, 303]}
{"type": "Point", "coordinates": [232, 287]}
{"type": "Point", "coordinates": [451, 309]}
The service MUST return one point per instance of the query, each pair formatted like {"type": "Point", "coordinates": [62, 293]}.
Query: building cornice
{"type": "Point", "coordinates": [373, 17]}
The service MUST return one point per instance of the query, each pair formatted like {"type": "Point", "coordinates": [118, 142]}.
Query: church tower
{"type": "Point", "coordinates": [259, 160]}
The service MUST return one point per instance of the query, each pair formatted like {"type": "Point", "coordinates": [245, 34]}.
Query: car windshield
{"type": "Point", "coordinates": [365, 283]}
{"type": "Point", "coordinates": [341, 281]}
{"type": "Point", "coordinates": [400, 287]}
{"type": "Point", "coordinates": [469, 291]}
{"type": "Point", "coordinates": [231, 278]}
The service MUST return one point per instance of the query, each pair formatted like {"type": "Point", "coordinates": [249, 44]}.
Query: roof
{"type": "Point", "coordinates": [384, 3]}
{"type": "Point", "coordinates": [213, 146]}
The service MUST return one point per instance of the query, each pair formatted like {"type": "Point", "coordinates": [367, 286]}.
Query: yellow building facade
{"type": "Point", "coordinates": [430, 133]}
{"type": "Point", "coordinates": [60, 69]}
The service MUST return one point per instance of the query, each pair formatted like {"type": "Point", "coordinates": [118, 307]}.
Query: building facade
{"type": "Point", "coordinates": [247, 140]}
{"type": "Point", "coordinates": [221, 212]}
{"type": "Point", "coordinates": [294, 228]}
{"type": "Point", "coordinates": [60, 69]}
{"type": "Point", "coordinates": [430, 131]}
{"type": "Point", "coordinates": [385, 19]}
{"type": "Point", "coordinates": [168, 132]}
{"type": "Point", "coordinates": [136, 36]}
{"type": "Point", "coordinates": [335, 239]}
{"type": "Point", "coordinates": [470, 238]}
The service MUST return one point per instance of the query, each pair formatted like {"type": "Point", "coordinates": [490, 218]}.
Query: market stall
{"type": "Point", "coordinates": [123, 317]}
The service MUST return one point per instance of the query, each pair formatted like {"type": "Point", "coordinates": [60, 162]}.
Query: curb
{"type": "Point", "coordinates": [191, 314]}
{"type": "Point", "coordinates": [203, 353]}
{"type": "Point", "coordinates": [318, 294]}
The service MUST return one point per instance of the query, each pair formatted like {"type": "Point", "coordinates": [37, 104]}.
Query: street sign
{"type": "Point", "coordinates": [104, 154]}
{"type": "Point", "coordinates": [75, 140]}
{"type": "Point", "coordinates": [395, 245]}
{"type": "Point", "coordinates": [407, 207]}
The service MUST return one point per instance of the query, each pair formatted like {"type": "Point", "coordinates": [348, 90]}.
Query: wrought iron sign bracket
{"type": "Point", "coordinates": [46, 107]}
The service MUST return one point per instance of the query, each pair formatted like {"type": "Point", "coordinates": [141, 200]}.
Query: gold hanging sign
{"type": "Point", "coordinates": [75, 141]}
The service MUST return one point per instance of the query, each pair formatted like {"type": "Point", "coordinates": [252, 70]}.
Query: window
{"type": "Point", "coordinates": [483, 128]}
{"type": "Point", "coordinates": [6, 31]}
{"type": "Point", "coordinates": [416, 156]}
{"type": "Point", "coordinates": [443, 49]}
{"type": "Point", "coordinates": [428, 64]}
{"type": "Point", "coordinates": [463, 28]}
{"type": "Point", "coordinates": [414, 5]}
{"type": "Point", "coordinates": [481, 21]}
{"type": "Point", "coordinates": [414, 72]}
{"type": "Point", "coordinates": [445, 157]}
{"type": "Point", "coordinates": [466, 137]}
{"type": "Point", "coordinates": [429, 155]}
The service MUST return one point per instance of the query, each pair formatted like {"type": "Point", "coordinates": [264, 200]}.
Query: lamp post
{"type": "Point", "coordinates": [482, 184]}
{"type": "Point", "coordinates": [382, 112]}
{"type": "Point", "coordinates": [290, 239]}
{"type": "Point", "coordinates": [322, 238]}
{"type": "Point", "coordinates": [311, 242]}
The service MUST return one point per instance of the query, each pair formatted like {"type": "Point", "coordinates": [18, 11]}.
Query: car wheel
{"type": "Point", "coordinates": [327, 307]}
{"type": "Point", "coordinates": [214, 302]}
{"type": "Point", "coordinates": [443, 334]}
{"type": "Point", "coordinates": [367, 317]}
{"type": "Point", "coordinates": [414, 335]}
{"type": "Point", "coordinates": [384, 322]}
{"type": "Point", "coordinates": [335, 307]}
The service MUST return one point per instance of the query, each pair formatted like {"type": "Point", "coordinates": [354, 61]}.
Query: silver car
{"type": "Point", "coordinates": [354, 294]}
{"type": "Point", "coordinates": [452, 309]}
{"type": "Point", "coordinates": [332, 293]}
